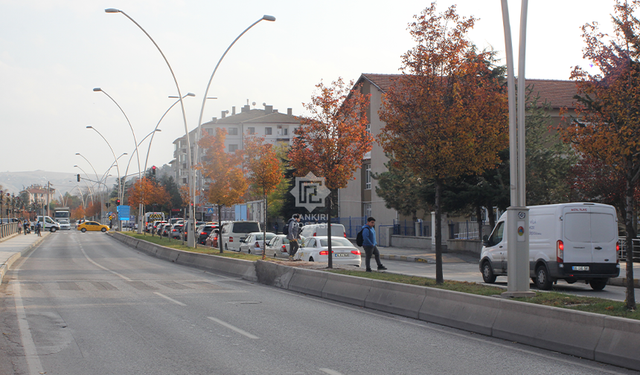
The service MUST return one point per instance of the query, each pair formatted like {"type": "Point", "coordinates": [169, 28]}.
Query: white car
{"type": "Point", "coordinates": [313, 230]}
{"type": "Point", "coordinates": [316, 249]}
{"type": "Point", "coordinates": [252, 243]}
{"type": "Point", "coordinates": [278, 246]}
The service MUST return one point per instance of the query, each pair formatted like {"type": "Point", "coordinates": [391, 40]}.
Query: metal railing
{"type": "Point", "coordinates": [7, 230]}
{"type": "Point", "coordinates": [636, 249]}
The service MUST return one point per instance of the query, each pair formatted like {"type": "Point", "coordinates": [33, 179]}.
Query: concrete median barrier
{"type": "Point", "coordinates": [400, 299]}
{"type": "Point", "coordinates": [460, 310]}
{"type": "Point", "coordinates": [308, 281]}
{"type": "Point", "coordinates": [566, 331]}
{"type": "Point", "coordinates": [347, 289]}
{"type": "Point", "coordinates": [620, 343]}
{"type": "Point", "coordinates": [273, 274]}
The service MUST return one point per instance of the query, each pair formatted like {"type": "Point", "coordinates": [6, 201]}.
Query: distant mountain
{"type": "Point", "coordinates": [14, 182]}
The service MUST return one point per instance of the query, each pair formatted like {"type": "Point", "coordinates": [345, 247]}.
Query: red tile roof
{"type": "Point", "coordinates": [557, 93]}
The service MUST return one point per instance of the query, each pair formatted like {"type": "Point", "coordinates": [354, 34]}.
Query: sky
{"type": "Point", "coordinates": [54, 53]}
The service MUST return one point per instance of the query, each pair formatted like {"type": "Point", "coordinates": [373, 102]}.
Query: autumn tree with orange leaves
{"type": "Point", "coordinates": [446, 116]}
{"type": "Point", "coordinates": [332, 141]}
{"type": "Point", "coordinates": [607, 122]}
{"type": "Point", "coordinates": [265, 172]}
{"type": "Point", "coordinates": [224, 170]}
{"type": "Point", "coordinates": [147, 191]}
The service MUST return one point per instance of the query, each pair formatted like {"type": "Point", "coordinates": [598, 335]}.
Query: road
{"type": "Point", "coordinates": [87, 304]}
{"type": "Point", "coordinates": [468, 271]}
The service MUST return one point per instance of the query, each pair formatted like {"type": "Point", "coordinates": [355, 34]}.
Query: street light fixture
{"type": "Point", "coordinates": [191, 222]}
{"type": "Point", "coordinates": [114, 157]}
{"type": "Point", "coordinates": [206, 92]}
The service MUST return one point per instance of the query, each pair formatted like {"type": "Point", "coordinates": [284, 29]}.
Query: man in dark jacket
{"type": "Point", "coordinates": [294, 235]}
{"type": "Point", "coordinates": [370, 245]}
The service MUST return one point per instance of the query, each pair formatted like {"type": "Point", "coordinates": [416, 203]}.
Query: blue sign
{"type": "Point", "coordinates": [209, 210]}
{"type": "Point", "coordinates": [124, 212]}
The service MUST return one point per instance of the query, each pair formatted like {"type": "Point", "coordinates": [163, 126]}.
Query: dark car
{"type": "Point", "coordinates": [203, 232]}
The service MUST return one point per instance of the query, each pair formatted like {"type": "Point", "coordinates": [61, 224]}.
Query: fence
{"type": "Point", "coordinates": [465, 230]}
{"type": "Point", "coordinates": [352, 224]}
{"type": "Point", "coordinates": [411, 228]}
{"type": "Point", "coordinates": [636, 249]}
{"type": "Point", "coordinates": [8, 229]}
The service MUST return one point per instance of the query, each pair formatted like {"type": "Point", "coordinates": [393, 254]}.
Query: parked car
{"type": "Point", "coordinates": [313, 230]}
{"type": "Point", "coordinates": [234, 231]}
{"type": "Point", "coordinates": [203, 231]}
{"type": "Point", "coordinates": [175, 231]}
{"type": "Point", "coordinates": [278, 246]}
{"type": "Point", "coordinates": [316, 249]}
{"type": "Point", "coordinates": [160, 228]}
{"type": "Point", "coordinates": [252, 243]}
{"type": "Point", "coordinates": [155, 225]}
{"type": "Point", "coordinates": [92, 226]}
{"type": "Point", "coordinates": [212, 239]}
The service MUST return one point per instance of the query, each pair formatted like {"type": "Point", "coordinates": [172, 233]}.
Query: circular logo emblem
{"type": "Point", "coordinates": [522, 215]}
{"type": "Point", "coordinates": [520, 231]}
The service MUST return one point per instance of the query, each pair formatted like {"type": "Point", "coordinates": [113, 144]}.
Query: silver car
{"type": "Point", "coordinates": [252, 243]}
{"type": "Point", "coordinates": [278, 246]}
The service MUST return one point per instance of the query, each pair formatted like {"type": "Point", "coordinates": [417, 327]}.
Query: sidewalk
{"type": "Point", "coordinates": [418, 255]}
{"type": "Point", "coordinates": [12, 248]}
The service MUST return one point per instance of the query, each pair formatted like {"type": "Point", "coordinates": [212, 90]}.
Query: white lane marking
{"type": "Point", "coordinates": [169, 299]}
{"type": "Point", "coordinates": [99, 266]}
{"type": "Point", "coordinates": [330, 371]}
{"type": "Point", "coordinates": [30, 351]}
{"type": "Point", "coordinates": [244, 333]}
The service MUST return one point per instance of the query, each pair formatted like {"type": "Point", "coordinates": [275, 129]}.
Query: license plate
{"type": "Point", "coordinates": [580, 268]}
{"type": "Point", "coordinates": [341, 254]}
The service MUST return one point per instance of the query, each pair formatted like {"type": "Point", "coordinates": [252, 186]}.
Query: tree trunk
{"type": "Point", "coordinates": [631, 299]}
{"type": "Point", "coordinates": [264, 230]}
{"type": "Point", "coordinates": [330, 254]}
{"type": "Point", "coordinates": [438, 232]}
{"type": "Point", "coordinates": [479, 220]}
{"type": "Point", "coordinates": [220, 229]}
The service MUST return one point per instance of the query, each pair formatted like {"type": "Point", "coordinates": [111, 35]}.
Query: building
{"type": "Point", "coordinates": [269, 123]}
{"type": "Point", "coordinates": [40, 195]}
{"type": "Point", "coordinates": [359, 198]}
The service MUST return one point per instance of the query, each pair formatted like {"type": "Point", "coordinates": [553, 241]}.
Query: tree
{"type": "Point", "coordinates": [446, 116]}
{"type": "Point", "coordinates": [224, 170]}
{"type": "Point", "coordinates": [607, 122]}
{"type": "Point", "coordinates": [401, 189]}
{"type": "Point", "coordinates": [147, 191]}
{"type": "Point", "coordinates": [265, 172]}
{"type": "Point", "coordinates": [332, 141]}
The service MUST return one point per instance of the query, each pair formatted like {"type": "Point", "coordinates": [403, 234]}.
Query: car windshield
{"type": "Point", "coordinates": [335, 241]}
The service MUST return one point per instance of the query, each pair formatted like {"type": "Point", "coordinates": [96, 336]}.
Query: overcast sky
{"type": "Point", "coordinates": [53, 53]}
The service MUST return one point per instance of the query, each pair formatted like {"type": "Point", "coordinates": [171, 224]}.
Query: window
{"type": "Point", "coordinates": [268, 131]}
{"type": "Point", "coordinates": [367, 177]}
{"type": "Point", "coordinates": [496, 236]}
{"type": "Point", "coordinates": [285, 131]}
{"type": "Point", "coordinates": [233, 147]}
{"type": "Point", "coordinates": [233, 131]}
{"type": "Point", "coordinates": [251, 130]}
{"type": "Point", "coordinates": [369, 128]}
{"type": "Point", "coordinates": [367, 209]}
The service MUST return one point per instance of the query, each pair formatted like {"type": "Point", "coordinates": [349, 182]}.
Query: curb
{"type": "Point", "coordinates": [14, 258]}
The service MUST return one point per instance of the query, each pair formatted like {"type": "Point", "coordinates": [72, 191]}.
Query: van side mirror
{"type": "Point", "coordinates": [485, 240]}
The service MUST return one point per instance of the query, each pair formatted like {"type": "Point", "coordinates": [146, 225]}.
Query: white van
{"type": "Point", "coordinates": [49, 224]}
{"type": "Point", "coordinates": [570, 241]}
{"type": "Point", "coordinates": [235, 231]}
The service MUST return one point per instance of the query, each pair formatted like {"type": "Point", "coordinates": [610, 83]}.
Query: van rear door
{"type": "Point", "coordinates": [589, 234]}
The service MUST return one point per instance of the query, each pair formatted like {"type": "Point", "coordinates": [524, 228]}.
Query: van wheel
{"type": "Point", "coordinates": [487, 273]}
{"type": "Point", "coordinates": [598, 284]}
{"type": "Point", "coordinates": [53, 229]}
{"type": "Point", "coordinates": [543, 281]}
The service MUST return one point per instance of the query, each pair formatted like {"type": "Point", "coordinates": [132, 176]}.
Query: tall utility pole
{"type": "Point", "coordinates": [517, 214]}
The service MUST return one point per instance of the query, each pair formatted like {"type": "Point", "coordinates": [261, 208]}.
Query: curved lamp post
{"type": "Point", "coordinates": [114, 158]}
{"type": "Point", "coordinates": [206, 91]}
{"type": "Point", "coordinates": [191, 242]}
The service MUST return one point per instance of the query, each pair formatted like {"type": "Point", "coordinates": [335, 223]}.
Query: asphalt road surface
{"type": "Point", "coordinates": [87, 304]}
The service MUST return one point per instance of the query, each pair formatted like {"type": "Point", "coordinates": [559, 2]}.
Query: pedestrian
{"type": "Point", "coordinates": [38, 228]}
{"type": "Point", "coordinates": [26, 225]}
{"type": "Point", "coordinates": [293, 235]}
{"type": "Point", "coordinates": [370, 245]}
{"type": "Point", "coordinates": [275, 227]}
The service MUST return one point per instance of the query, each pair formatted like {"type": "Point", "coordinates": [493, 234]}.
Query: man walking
{"type": "Point", "coordinates": [370, 245]}
{"type": "Point", "coordinates": [293, 235]}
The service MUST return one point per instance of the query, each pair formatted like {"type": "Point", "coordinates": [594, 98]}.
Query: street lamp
{"type": "Point", "coordinates": [94, 170]}
{"type": "Point", "coordinates": [191, 238]}
{"type": "Point", "coordinates": [206, 92]}
{"type": "Point", "coordinates": [114, 157]}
